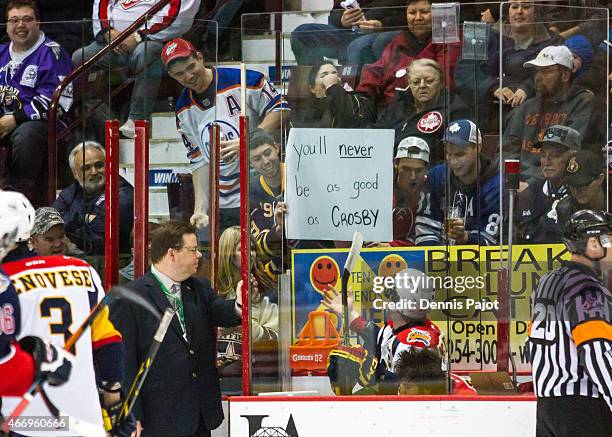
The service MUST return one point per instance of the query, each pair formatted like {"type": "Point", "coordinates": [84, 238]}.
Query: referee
{"type": "Point", "coordinates": [570, 340]}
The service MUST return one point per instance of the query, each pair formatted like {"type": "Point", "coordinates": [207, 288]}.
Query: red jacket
{"type": "Point", "coordinates": [379, 79]}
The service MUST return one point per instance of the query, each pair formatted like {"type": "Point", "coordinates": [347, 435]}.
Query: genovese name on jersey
{"type": "Point", "coordinates": [52, 279]}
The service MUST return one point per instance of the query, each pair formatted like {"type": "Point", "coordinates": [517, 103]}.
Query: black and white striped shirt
{"type": "Point", "coordinates": [570, 339]}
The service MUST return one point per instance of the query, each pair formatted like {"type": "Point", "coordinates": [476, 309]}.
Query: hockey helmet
{"type": "Point", "coordinates": [9, 223]}
{"type": "Point", "coordinates": [585, 224]}
{"type": "Point", "coordinates": [413, 293]}
{"type": "Point", "coordinates": [21, 206]}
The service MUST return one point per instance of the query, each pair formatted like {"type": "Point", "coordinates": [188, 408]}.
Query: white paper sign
{"type": "Point", "coordinates": [338, 181]}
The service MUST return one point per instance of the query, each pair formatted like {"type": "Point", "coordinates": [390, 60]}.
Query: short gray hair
{"type": "Point", "coordinates": [426, 63]}
{"type": "Point", "coordinates": [82, 148]}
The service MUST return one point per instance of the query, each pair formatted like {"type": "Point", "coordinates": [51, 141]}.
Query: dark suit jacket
{"type": "Point", "coordinates": [182, 384]}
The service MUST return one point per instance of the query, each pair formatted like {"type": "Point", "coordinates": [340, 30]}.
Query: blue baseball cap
{"type": "Point", "coordinates": [462, 133]}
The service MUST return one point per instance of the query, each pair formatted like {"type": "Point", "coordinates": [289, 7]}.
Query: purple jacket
{"type": "Point", "coordinates": [26, 89]}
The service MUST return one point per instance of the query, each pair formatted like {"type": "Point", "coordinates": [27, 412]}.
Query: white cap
{"type": "Point", "coordinates": [552, 55]}
{"type": "Point", "coordinates": [413, 147]}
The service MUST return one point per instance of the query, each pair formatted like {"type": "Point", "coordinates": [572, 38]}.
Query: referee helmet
{"type": "Point", "coordinates": [585, 224]}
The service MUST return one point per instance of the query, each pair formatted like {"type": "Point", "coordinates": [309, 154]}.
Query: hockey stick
{"type": "Point", "coordinates": [114, 293]}
{"type": "Point", "coordinates": [349, 265]}
{"type": "Point", "coordinates": [139, 379]}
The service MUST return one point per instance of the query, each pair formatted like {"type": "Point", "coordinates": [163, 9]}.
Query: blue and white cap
{"type": "Point", "coordinates": [462, 133]}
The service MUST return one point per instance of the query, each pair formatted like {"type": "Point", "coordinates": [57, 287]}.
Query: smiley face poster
{"type": "Point", "coordinates": [315, 270]}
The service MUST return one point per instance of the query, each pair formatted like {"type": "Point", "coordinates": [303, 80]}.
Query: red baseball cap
{"type": "Point", "coordinates": [175, 49]}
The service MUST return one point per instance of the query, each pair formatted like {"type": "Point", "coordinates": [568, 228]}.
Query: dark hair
{"type": "Point", "coordinates": [16, 4]}
{"type": "Point", "coordinates": [420, 365]}
{"type": "Point", "coordinates": [152, 228]}
{"type": "Point", "coordinates": [260, 136]}
{"type": "Point", "coordinates": [169, 235]}
{"type": "Point", "coordinates": [409, 2]}
{"type": "Point", "coordinates": [312, 76]}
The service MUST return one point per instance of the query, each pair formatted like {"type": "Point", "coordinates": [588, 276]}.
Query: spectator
{"type": "Point", "coordinates": [589, 66]}
{"type": "Point", "coordinates": [585, 178]}
{"type": "Point", "coordinates": [537, 215]}
{"type": "Point", "coordinates": [264, 314]}
{"type": "Point", "coordinates": [48, 236]}
{"type": "Point", "coordinates": [406, 327]}
{"type": "Point", "coordinates": [522, 38]}
{"type": "Point", "coordinates": [411, 165]}
{"type": "Point", "coordinates": [205, 86]}
{"type": "Point", "coordinates": [140, 51]}
{"type": "Point", "coordinates": [557, 101]}
{"type": "Point", "coordinates": [352, 36]}
{"type": "Point", "coordinates": [63, 21]}
{"type": "Point", "coordinates": [420, 110]}
{"type": "Point", "coordinates": [331, 103]}
{"type": "Point", "coordinates": [31, 68]}
{"type": "Point", "coordinates": [420, 373]}
{"type": "Point", "coordinates": [473, 188]}
{"type": "Point", "coordinates": [183, 378]}
{"type": "Point", "coordinates": [380, 79]}
{"type": "Point", "coordinates": [582, 52]}
{"type": "Point", "coordinates": [265, 192]}
{"type": "Point", "coordinates": [127, 272]}
{"type": "Point", "coordinates": [82, 204]}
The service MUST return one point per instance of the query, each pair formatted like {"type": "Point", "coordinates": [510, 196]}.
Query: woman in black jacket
{"type": "Point", "coordinates": [420, 110]}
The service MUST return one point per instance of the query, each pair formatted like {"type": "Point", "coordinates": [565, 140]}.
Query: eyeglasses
{"type": "Point", "coordinates": [189, 249]}
{"type": "Point", "coordinates": [28, 19]}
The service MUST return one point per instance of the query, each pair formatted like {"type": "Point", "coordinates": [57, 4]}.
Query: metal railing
{"type": "Point", "coordinates": [76, 73]}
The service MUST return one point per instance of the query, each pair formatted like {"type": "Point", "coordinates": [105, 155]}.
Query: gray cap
{"type": "Point", "coordinates": [413, 147]}
{"type": "Point", "coordinates": [561, 136]}
{"type": "Point", "coordinates": [45, 219]}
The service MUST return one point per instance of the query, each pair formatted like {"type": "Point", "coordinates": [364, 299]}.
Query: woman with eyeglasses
{"type": "Point", "coordinates": [420, 111]}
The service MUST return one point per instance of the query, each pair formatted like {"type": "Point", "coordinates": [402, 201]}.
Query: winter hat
{"type": "Point", "coordinates": [582, 47]}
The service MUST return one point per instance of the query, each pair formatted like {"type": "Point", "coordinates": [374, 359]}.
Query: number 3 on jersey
{"type": "Point", "coordinates": [63, 326]}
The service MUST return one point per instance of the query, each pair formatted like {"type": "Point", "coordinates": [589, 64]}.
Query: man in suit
{"type": "Point", "coordinates": [181, 394]}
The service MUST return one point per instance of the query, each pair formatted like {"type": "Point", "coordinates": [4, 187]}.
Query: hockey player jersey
{"type": "Point", "coordinates": [392, 341]}
{"type": "Point", "coordinates": [220, 104]}
{"type": "Point", "coordinates": [56, 294]}
{"type": "Point", "coordinates": [28, 80]}
{"type": "Point", "coordinates": [482, 213]}
{"type": "Point", "coordinates": [16, 366]}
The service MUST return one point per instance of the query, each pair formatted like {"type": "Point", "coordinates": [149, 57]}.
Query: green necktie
{"type": "Point", "coordinates": [177, 303]}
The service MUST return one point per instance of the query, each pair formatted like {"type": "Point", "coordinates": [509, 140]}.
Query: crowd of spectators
{"type": "Point", "coordinates": [545, 74]}
{"type": "Point", "coordinates": [440, 104]}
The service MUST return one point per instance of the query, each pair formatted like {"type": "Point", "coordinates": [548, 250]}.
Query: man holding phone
{"type": "Point", "coordinates": [354, 33]}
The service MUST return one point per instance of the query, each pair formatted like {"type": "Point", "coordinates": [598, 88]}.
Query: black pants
{"type": "Point", "coordinates": [573, 416]}
{"type": "Point", "coordinates": [29, 149]}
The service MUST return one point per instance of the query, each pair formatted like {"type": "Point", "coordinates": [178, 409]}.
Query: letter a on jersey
{"type": "Point", "coordinates": [232, 106]}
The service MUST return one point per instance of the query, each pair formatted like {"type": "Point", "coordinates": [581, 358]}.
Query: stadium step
{"type": "Point", "coordinates": [166, 160]}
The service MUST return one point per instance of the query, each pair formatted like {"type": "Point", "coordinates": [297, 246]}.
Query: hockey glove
{"type": "Point", "coordinates": [123, 429]}
{"type": "Point", "coordinates": [53, 364]}
{"type": "Point", "coordinates": [347, 366]}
